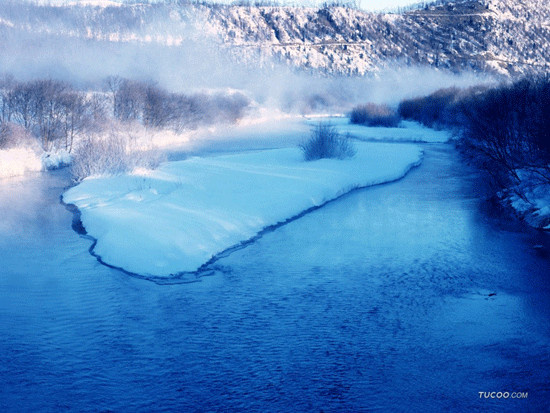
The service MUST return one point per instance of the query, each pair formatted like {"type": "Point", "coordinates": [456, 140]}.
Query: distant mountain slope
{"type": "Point", "coordinates": [496, 36]}
{"type": "Point", "coordinates": [507, 37]}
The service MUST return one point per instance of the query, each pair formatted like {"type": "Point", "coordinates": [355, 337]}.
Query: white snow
{"type": "Point", "coordinates": [406, 132]}
{"type": "Point", "coordinates": [82, 3]}
{"type": "Point", "coordinates": [534, 205]}
{"type": "Point", "coordinates": [252, 133]}
{"type": "Point", "coordinates": [56, 160]}
{"type": "Point", "coordinates": [175, 218]}
{"type": "Point", "coordinates": [279, 130]}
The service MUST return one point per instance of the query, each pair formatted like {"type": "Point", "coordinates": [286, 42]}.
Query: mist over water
{"type": "Point", "coordinates": [185, 56]}
{"type": "Point", "coordinates": [202, 66]}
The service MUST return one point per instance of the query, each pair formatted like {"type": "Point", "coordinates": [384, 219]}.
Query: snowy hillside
{"type": "Point", "coordinates": [499, 36]}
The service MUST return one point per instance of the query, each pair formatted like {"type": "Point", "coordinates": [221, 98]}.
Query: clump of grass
{"type": "Point", "coordinates": [326, 142]}
{"type": "Point", "coordinates": [372, 114]}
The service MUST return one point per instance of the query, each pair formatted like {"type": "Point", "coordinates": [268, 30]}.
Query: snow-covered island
{"type": "Point", "coordinates": [177, 218]}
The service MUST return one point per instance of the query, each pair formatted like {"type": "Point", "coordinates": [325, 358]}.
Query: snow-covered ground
{"type": "Point", "coordinates": [174, 219]}
{"type": "Point", "coordinates": [406, 132]}
{"type": "Point", "coordinates": [280, 130]}
{"type": "Point", "coordinates": [259, 131]}
{"type": "Point", "coordinates": [56, 159]}
{"type": "Point", "coordinates": [534, 203]}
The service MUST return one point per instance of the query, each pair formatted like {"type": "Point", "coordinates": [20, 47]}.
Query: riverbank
{"type": "Point", "coordinates": [529, 200]}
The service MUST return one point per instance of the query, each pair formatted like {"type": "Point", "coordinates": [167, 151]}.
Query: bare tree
{"type": "Point", "coordinates": [19, 104]}
{"type": "Point", "coordinates": [48, 110]}
{"type": "Point", "coordinates": [129, 100]}
{"type": "Point", "coordinates": [158, 108]}
{"type": "Point", "coordinates": [113, 84]}
{"type": "Point", "coordinates": [76, 117]}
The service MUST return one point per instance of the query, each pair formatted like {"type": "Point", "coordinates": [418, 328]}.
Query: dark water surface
{"type": "Point", "coordinates": [402, 297]}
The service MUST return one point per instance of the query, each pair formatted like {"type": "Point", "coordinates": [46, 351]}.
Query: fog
{"type": "Point", "coordinates": [202, 66]}
{"type": "Point", "coordinates": [54, 47]}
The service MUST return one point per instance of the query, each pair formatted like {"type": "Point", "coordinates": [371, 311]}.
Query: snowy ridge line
{"type": "Point", "coordinates": [207, 268]}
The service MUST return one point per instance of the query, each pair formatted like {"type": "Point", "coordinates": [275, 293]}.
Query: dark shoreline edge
{"type": "Point", "coordinates": [208, 268]}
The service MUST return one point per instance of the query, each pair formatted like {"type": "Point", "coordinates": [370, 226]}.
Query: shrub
{"type": "Point", "coordinates": [507, 126]}
{"type": "Point", "coordinates": [372, 114]}
{"type": "Point", "coordinates": [52, 111]}
{"type": "Point", "coordinates": [540, 117]}
{"type": "Point", "coordinates": [155, 107]}
{"type": "Point", "coordinates": [326, 142]}
{"type": "Point", "coordinates": [439, 109]}
{"type": "Point", "coordinates": [112, 154]}
{"type": "Point", "coordinates": [13, 135]}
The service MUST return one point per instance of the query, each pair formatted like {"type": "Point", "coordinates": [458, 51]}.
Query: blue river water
{"type": "Point", "coordinates": [408, 296]}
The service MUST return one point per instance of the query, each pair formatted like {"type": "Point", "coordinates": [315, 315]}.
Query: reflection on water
{"type": "Point", "coordinates": [403, 295]}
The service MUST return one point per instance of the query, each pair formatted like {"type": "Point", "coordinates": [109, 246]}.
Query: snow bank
{"type": "Point", "coordinates": [176, 218]}
{"type": "Point", "coordinates": [534, 204]}
{"type": "Point", "coordinates": [407, 132]}
{"type": "Point", "coordinates": [18, 161]}
{"type": "Point", "coordinates": [56, 160]}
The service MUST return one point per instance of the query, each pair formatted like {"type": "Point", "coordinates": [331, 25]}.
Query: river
{"type": "Point", "coordinates": [407, 296]}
